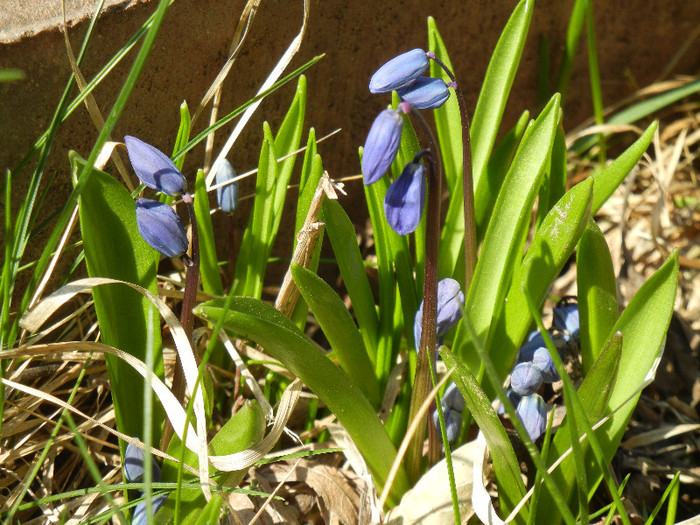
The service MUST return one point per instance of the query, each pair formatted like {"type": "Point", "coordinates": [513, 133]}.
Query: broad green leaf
{"type": "Point", "coordinates": [496, 169]}
{"type": "Point", "coordinates": [374, 195]}
{"type": "Point", "coordinates": [256, 244]}
{"type": "Point", "coordinates": [597, 293]}
{"type": "Point", "coordinates": [208, 263]}
{"type": "Point", "coordinates": [448, 122]}
{"type": "Point", "coordinates": [496, 87]}
{"type": "Point", "coordinates": [340, 330]}
{"type": "Point", "coordinates": [505, 463]}
{"type": "Point", "coordinates": [573, 36]}
{"type": "Point", "coordinates": [555, 182]}
{"type": "Point", "coordinates": [608, 179]}
{"type": "Point", "coordinates": [513, 208]}
{"type": "Point", "coordinates": [341, 233]}
{"type": "Point", "coordinates": [487, 119]}
{"type": "Point", "coordinates": [549, 250]}
{"type": "Point", "coordinates": [281, 338]}
{"type": "Point", "coordinates": [114, 248]}
{"type": "Point", "coordinates": [210, 514]}
{"type": "Point", "coordinates": [287, 140]}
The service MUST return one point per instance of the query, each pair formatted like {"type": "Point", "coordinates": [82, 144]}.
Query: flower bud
{"type": "Point", "coordinates": [399, 72]}
{"type": "Point", "coordinates": [542, 360]}
{"type": "Point", "coordinates": [425, 93]}
{"type": "Point", "coordinates": [566, 319]}
{"type": "Point", "coordinates": [450, 303]}
{"type": "Point", "coordinates": [139, 517]}
{"type": "Point", "coordinates": [160, 227]}
{"type": "Point", "coordinates": [133, 465]}
{"type": "Point", "coordinates": [525, 378]}
{"type": "Point", "coordinates": [382, 145]}
{"type": "Point", "coordinates": [452, 399]}
{"type": "Point", "coordinates": [533, 413]}
{"type": "Point", "coordinates": [154, 168]}
{"type": "Point", "coordinates": [453, 423]}
{"type": "Point", "coordinates": [226, 196]}
{"type": "Point", "coordinates": [404, 200]}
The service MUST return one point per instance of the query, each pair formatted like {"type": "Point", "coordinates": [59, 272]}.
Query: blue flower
{"type": "Point", "coordinates": [133, 465]}
{"type": "Point", "coordinates": [399, 72]}
{"type": "Point", "coordinates": [525, 378]}
{"type": "Point", "coordinates": [533, 413]}
{"type": "Point", "coordinates": [404, 200]}
{"type": "Point", "coordinates": [425, 93]}
{"type": "Point", "coordinates": [450, 303]}
{"type": "Point", "coordinates": [139, 517]}
{"type": "Point", "coordinates": [381, 145]}
{"type": "Point", "coordinates": [154, 168]}
{"type": "Point", "coordinates": [542, 360]}
{"type": "Point", "coordinates": [566, 318]}
{"type": "Point", "coordinates": [160, 227]}
{"type": "Point", "coordinates": [227, 196]}
{"type": "Point", "coordinates": [453, 423]}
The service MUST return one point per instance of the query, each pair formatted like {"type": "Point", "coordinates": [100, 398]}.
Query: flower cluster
{"type": "Point", "coordinates": [405, 198]}
{"type": "Point", "coordinates": [133, 473]}
{"type": "Point", "coordinates": [535, 366]}
{"type": "Point", "coordinates": [157, 222]}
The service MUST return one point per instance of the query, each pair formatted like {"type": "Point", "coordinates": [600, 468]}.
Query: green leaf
{"type": "Point", "coordinates": [208, 263]}
{"type": "Point", "coordinates": [597, 293]}
{"type": "Point", "coordinates": [573, 36]}
{"type": "Point", "coordinates": [256, 244]}
{"type": "Point", "coordinates": [114, 248]}
{"type": "Point", "coordinates": [287, 140]}
{"type": "Point", "coordinates": [281, 338]}
{"type": "Point", "coordinates": [209, 514]}
{"type": "Point", "coordinates": [551, 247]}
{"type": "Point", "coordinates": [513, 207]}
{"type": "Point", "coordinates": [608, 179]}
{"type": "Point", "coordinates": [496, 87]}
{"type": "Point", "coordinates": [505, 463]}
{"type": "Point", "coordinates": [496, 169]}
{"type": "Point", "coordinates": [484, 127]}
{"type": "Point", "coordinates": [341, 233]}
{"type": "Point", "coordinates": [448, 122]}
{"type": "Point", "coordinates": [183, 135]}
{"type": "Point", "coordinates": [340, 330]}
{"type": "Point", "coordinates": [555, 181]}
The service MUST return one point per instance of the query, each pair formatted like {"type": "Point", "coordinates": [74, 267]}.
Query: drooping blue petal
{"type": "Point", "coordinates": [154, 168]}
{"type": "Point", "coordinates": [399, 72]}
{"type": "Point", "coordinates": [533, 413]}
{"type": "Point", "coordinates": [404, 200]}
{"type": "Point", "coordinates": [514, 400]}
{"type": "Point", "coordinates": [450, 303]}
{"type": "Point", "coordinates": [453, 423]}
{"type": "Point", "coordinates": [133, 465]}
{"type": "Point", "coordinates": [381, 145]}
{"type": "Point", "coordinates": [453, 399]}
{"type": "Point", "coordinates": [525, 378]}
{"type": "Point", "coordinates": [425, 93]}
{"type": "Point", "coordinates": [161, 227]}
{"type": "Point", "coordinates": [227, 196]}
{"type": "Point", "coordinates": [139, 517]}
{"type": "Point", "coordinates": [542, 360]}
{"type": "Point", "coordinates": [566, 318]}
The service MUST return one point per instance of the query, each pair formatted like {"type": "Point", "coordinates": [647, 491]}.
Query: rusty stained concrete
{"type": "Point", "coordinates": [636, 41]}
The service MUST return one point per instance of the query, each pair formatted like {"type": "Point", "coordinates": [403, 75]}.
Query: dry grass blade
{"type": "Point", "coordinates": [659, 434]}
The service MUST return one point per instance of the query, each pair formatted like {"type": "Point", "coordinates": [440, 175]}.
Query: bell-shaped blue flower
{"type": "Point", "coordinates": [154, 168]}
{"type": "Point", "coordinates": [453, 399]}
{"type": "Point", "coordinates": [533, 413]}
{"type": "Point", "coordinates": [399, 72]}
{"type": "Point", "coordinates": [450, 303]}
{"type": "Point", "coordinates": [514, 399]}
{"type": "Point", "coordinates": [453, 423]}
{"type": "Point", "coordinates": [425, 93]}
{"type": "Point", "coordinates": [227, 196]}
{"type": "Point", "coordinates": [404, 200]}
{"type": "Point", "coordinates": [525, 378]}
{"type": "Point", "coordinates": [381, 145]}
{"type": "Point", "coordinates": [542, 360]}
{"type": "Point", "coordinates": [565, 318]}
{"type": "Point", "coordinates": [133, 465]}
{"type": "Point", "coordinates": [139, 517]}
{"type": "Point", "coordinates": [160, 227]}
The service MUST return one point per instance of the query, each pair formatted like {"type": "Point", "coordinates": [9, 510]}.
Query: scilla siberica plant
{"type": "Point", "coordinates": [405, 198]}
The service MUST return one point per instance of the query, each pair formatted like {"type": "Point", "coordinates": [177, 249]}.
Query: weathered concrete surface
{"type": "Point", "coordinates": [636, 41]}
